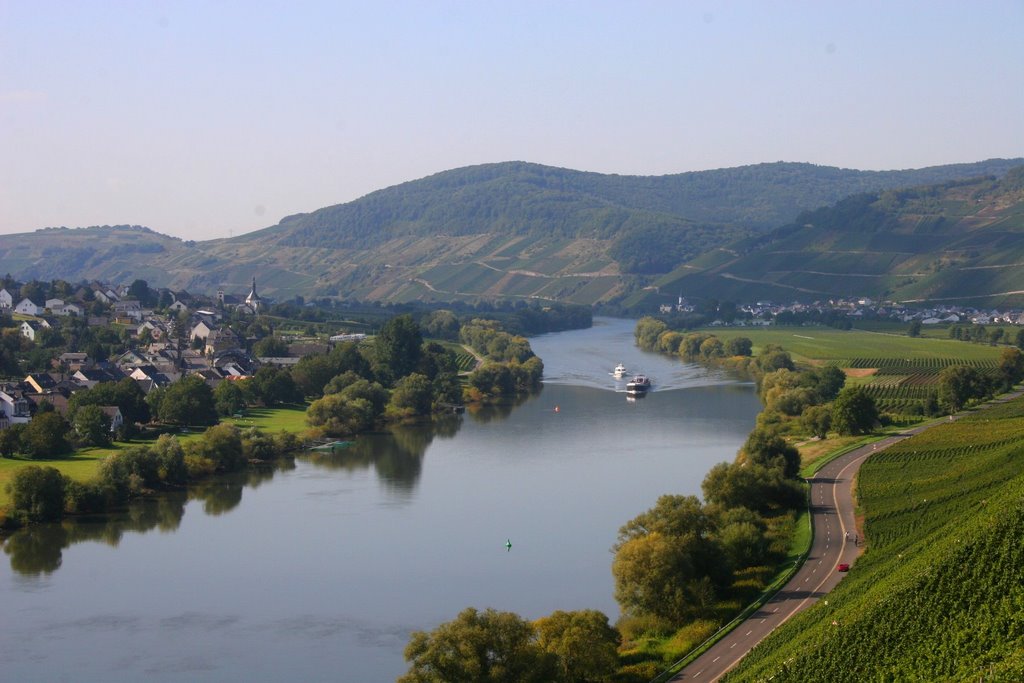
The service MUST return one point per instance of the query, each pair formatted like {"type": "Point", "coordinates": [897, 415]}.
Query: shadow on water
{"type": "Point", "coordinates": [395, 455]}
{"type": "Point", "coordinates": [500, 411]}
{"type": "Point", "coordinates": [38, 548]}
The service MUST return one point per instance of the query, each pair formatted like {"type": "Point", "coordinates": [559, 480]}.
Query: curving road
{"type": "Point", "coordinates": [835, 541]}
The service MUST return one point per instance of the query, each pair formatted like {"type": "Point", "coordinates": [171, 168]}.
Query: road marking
{"type": "Point", "coordinates": [716, 659]}
{"type": "Point", "coordinates": [748, 633]}
{"type": "Point", "coordinates": [762, 621]}
{"type": "Point", "coordinates": [732, 646]}
{"type": "Point", "coordinates": [775, 610]}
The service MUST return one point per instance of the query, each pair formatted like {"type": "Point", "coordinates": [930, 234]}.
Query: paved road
{"type": "Point", "coordinates": [835, 542]}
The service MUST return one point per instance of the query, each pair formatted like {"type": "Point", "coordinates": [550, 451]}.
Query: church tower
{"type": "Point", "coordinates": [253, 300]}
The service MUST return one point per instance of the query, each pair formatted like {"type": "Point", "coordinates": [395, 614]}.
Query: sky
{"type": "Point", "coordinates": [210, 119]}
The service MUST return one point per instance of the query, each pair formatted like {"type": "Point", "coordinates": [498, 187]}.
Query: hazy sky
{"type": "Point", "coordinates": [204, 119]}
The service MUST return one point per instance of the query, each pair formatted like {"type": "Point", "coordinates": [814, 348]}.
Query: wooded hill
{"type": "Point", "coordinates": [957, 242]}
{"type": "Point", "coordinates": [509, 230]}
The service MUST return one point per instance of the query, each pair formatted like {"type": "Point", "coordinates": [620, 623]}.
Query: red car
{"type": "Point", "coordinates": [843, 567]}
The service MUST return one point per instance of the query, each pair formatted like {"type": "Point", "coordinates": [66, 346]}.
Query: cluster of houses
{"type": "Point", "coordinates": [765, 312]}
{"type": "Point", "coordinates": [207, 348]}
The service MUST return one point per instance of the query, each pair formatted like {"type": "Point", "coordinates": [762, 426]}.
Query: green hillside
{"type": "Point", "coordinates": [510, 230]}
{"type": "Point", "coordinates": [938, 593]}
{"type": "Point", "coordinates": [960, 241]}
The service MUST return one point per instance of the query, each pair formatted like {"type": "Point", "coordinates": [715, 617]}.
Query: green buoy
{"type": "Point", "coordinates": [508, 545]}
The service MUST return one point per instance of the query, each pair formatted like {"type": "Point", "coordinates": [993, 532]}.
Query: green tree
{"type": "Point", "coordinates": [273, 386]}
{"type": "Point", "coordinates": [189, 401]}
{"type": "Point", "coordinates": [397, 348]}
{"type": "Point", "coordinates": [817, 420]}
{"type": "Point", "coordinates": [228, 398]}
{"type": "Point", "coordinates": [92, 426]}
{"type": "Point", "coordinates": [666, 560]}
{"type": "Point", "coordinates": [482, 647]}
{"type": "Point", "coordinates": [854, 411]}
{"type": "Point", "coordinates": [1011, 367]}
{"type": "Point", "coordinates": [270, 347]}
{"type": "Point", "coordinates": [337, 415]}
{"type": "Point", "coordinates": [958, 384]}
{"type": "Point", "coordinates": [10, 440]}
{"type": "Point", "coordinates": [412, 395]}
{"type": "Point", "coordinates": [585, 646]}
{"type": "Point", "coordinates": [739, 346]}
{"type": "Point", "coordinates": [37, 492]}
{"type": "Point", "coordinates": [647, 332]}
{"type": "Point", "coordinates": [46, 436]}
{"type": "Point", "coordinates": [915, 329]}
{"type": "Point", "coordinates": [766, 447]}
{"type": "Point", "coordinates": [221, 445]}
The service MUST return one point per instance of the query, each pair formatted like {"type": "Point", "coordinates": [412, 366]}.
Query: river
{"type": "Point", "coordinates": [319, 571]}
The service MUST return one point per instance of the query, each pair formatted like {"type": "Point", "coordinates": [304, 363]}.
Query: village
{"type": "Point", "coordinates": [862, 308]}
{"type": "Point", "coordinates": [182, 335]}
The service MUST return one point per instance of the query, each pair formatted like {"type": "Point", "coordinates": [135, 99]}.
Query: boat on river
{"type": "Point", "coordinates": [640, 384]}
{"type": "Point", "coordinates": [619, 372]}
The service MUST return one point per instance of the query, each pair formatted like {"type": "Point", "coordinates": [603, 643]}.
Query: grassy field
{"type": "Point", "coordinates": [82, 465]}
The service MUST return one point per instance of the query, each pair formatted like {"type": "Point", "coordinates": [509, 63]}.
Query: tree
{"type": "Point", "coordinates": [1011, 367]}
{"type": "Point", "coordinates": [739, 346]}
{"type": "Point", "coordinates": [228, 398]}
{"type": "Point", "coordinates": [854, 411]}
{"type": "Point", "coordinates": [10, 440]}
{"type": "Point", "coordinates": [272, 347]}
{"type": "Point", "coordinates": [37, 492]}
{"type": "Point", "coordinates": [46, 436]}
{"type": "Point", "coordinates": [338, 415]}
{"type": "Point", "coordinates": [482, 647]}
{"type": "Point", "coordinates": [647, 332]}
{"type": "Point", "coordinates": [139, 289]}
{"type": "Point", "coordinates": [273, 386]}
{"type": "Point", "coordinates": [397, 348]}
{"type": "Point", "coordinates": [817, 420]}
{"type": "Point", "coordinates": [764, 446]}
{"type": "Point", "coordinates": [915, 329]}
{"type": "Point", "coordinates": [92, 426]}
{"type": "Point", "coordinates": [666, 560]}
{"type": "Point", "coordinates": [957, 385]}
{"type": "Point", "coordinates": [585, 646]}
{"type": "Point", "coordinates": [189, 401]}
{"type": "Point", "coordinates": [222, 445]}
{"type": "Point", "coordinates": [412, 395]}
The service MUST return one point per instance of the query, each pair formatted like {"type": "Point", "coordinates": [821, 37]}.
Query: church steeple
{"type": "Point", "coordinates": [253, 300]}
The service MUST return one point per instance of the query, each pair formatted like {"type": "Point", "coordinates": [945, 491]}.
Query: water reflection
{"type": "Point", "coordinates": [396, 455]}
{"type": "Point", "coordinates": [38, 549]}
{"type": "Point", "coordinates": [500, 411]}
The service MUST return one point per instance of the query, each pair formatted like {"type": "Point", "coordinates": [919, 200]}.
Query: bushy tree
{"type": "Point", "coordinates": [37, 492]}
{"type": "Point", "coordinates": [337, 415]}
{"type": "Point", "coordinates": [817, 420]}
{"type": "Point", "coordinates": [483, 647]}
{"type": "Point", "coordinates": [228, 398]}
{"type": "Point", "coordinates": [397, 348]}
{"type": "Point", "coordinates": [189, 401]}
{"type": "Point", "coordinates": [854, 411]}
{"type": "Point", "coordinates": [92, 426]}
{"type": "Point", "coordinates": [647, 332]}
{"type": "Point", "coordinates": [46, 436]}
{"type": "Point", "coordinates": [584, 644]}
{"type": "Point", "coordinates": [739, 346]}
{"type": "Point", "coordinates": [272, 347]}
{"type": "Point", "coordinates": [666, 561]}
{"type": "Point", "coordinates": [766, 447]}
{"type": "Point", "coordinates": [958, 384]}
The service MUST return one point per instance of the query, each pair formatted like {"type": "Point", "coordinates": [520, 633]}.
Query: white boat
{"type": "Point", "coordinates": [619, 372]}
{"type": "Point", "coordinates": [638, 385]}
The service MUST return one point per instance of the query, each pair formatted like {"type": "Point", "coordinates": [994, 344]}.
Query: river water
{"type": "Point", "coordinates": [319, 571]}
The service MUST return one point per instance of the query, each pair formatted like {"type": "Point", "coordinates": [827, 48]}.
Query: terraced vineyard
{"type": "Point", "coordinates": [938, 594]}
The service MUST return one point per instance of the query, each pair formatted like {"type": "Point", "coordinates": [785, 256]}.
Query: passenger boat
{"type": "Point", "coordinates": [638, 385]}
{"type": "Point", "coordinates": [619, 372]}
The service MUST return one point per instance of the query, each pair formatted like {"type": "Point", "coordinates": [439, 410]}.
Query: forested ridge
{"type": "Point", "coordinates": [526, 232]}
